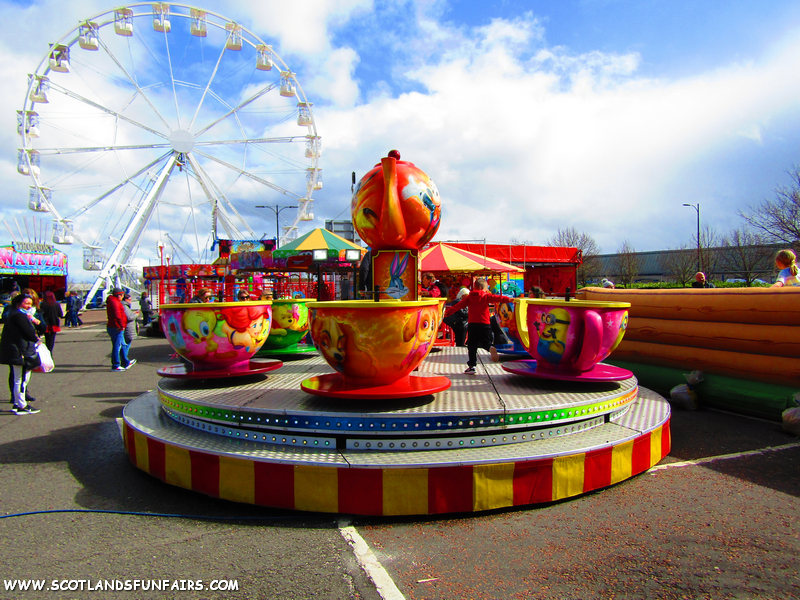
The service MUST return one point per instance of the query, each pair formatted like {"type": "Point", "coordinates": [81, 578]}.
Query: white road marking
{"type": "Point", "coordinates": [700, 461]}
{"type": "Point", "coordinates": [372, 567]}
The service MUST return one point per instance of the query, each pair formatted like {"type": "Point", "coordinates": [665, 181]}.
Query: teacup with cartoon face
{"type": "Point", "coordinates": [374, 343]}
{"type": "Point", "coordinates": [569, 337]}
{"type": "Point", "coordinates": [217, 335]}
{"type": "Point", "coordinates": [289, 323]}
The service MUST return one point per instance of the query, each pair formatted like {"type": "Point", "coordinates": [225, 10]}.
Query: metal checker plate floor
{"type": "Point", "coordinates": [492, 398]}
{"type": "Point", "coordinates": [648, 412]}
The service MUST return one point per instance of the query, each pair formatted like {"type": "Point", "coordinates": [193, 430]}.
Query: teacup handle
{"type": "Point", "coordinates": [521, 316]}
{"type": "Point", "coordinates": [592, 339]}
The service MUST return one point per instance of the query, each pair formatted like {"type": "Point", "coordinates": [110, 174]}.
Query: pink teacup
{"type": "Point", "coordinates": [217, 335]}
{"type": "Point", "coordinates": [569, 337]}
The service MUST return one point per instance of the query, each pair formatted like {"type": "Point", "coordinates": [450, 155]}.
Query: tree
{"type": "Point", "coordinates": [572, 238]}
{"type": "Point", "coordinates": [746, 254]}
{"type": "Point", "coordinates": [710, 243]}
{"type": "Point", "coordinates": [680, 264]}
{"type": "Point", "coordinates": [628, 264]}
{"type": "Point", "coordinates": [779, 220]}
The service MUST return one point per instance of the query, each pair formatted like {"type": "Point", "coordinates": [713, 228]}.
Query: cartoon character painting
{"type": "Point", "coordinates": [552, 330]}
{"type": "Point", "coordinates": [340, 347]}
{"type": "Point", "coordinates": [397, 289]}
{"type": "Point", "coordinates": [246, 326]}
{"type": "Point", "coordinates": [200, 325]}
{"type": "Point", "coordinates": [288, 317]}
{"type": "Point", "coordinates": [420, 330]}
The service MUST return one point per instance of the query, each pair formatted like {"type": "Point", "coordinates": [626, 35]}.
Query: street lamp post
{"type": "Point", "coordinates": [277, 210]}
{"type": "Point", "coordinates": [697, 208]}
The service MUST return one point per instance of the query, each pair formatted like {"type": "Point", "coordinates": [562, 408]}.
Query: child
{"type": "Point", "coordinates": [784, 261]}
{"type": "Point", "coordinates": [479, 329]}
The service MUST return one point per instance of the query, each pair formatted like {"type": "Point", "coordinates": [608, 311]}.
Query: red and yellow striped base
{"type": "Point", "coordinates": [396, 490]}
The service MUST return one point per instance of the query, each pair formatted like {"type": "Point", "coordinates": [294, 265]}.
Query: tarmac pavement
{"type": "Point", "coordinates": [696, 526]}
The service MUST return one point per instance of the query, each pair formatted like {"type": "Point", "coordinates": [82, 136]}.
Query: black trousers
{"type": "Point", "coordinates": [480, 336]}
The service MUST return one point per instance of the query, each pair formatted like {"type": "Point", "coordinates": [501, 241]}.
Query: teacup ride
{"type": "Point", "coordinates": [569, 339]}
{"type": "Point", "coordinates": [289, 328]}
{"type": "Point", "coordinates": [217, 339]}
{"type": "Point", "coordinates": [374, 347]}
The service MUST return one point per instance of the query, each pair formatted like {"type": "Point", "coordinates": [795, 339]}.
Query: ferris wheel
{"type": "Point", "coordinates": [164, 121]}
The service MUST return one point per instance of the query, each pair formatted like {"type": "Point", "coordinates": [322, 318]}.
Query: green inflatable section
{"type": "Point", "coordinates": [763, 400]}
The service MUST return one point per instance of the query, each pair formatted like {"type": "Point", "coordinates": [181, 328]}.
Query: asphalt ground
{"type": "Point", "coordinates": [718, 518]}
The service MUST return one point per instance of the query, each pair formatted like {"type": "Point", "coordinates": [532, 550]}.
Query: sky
{"type": "Point", "coordinates": [530, 116]}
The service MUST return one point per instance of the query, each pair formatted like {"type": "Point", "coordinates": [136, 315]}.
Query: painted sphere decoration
{"type": "Point", "coordinates": [396, 206]}
{"type": "Point", "coordinates": [217, 335]}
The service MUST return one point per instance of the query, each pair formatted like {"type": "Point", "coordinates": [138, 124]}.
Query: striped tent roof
{"type": "Point", "coordinates": [443, 257]}
{"type": "Point", "coordinates": [319, 239]}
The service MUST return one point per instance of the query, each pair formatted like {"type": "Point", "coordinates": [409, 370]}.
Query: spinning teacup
{"type": "Point", "coordinates": [219, 336]}
{"type": "Point", "coordinates": [374, 347]}
{"type": "Point", "coordinates": [289, 327]}
{"type": "Point", "coordinates": [569, 338]}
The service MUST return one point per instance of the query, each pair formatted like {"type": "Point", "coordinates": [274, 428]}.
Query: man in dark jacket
{"type": "Point", "coordinates": [116, 331]}
{"type": "Point", "coordinates": [18, 342]}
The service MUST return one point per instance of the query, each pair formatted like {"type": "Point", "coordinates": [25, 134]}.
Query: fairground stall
{"type": "Point", "coordinates": [551, 268]}
{"type": "Point", "coordinates": [37, 266]}
{"type": "Point", "coordinates": [319, 264]}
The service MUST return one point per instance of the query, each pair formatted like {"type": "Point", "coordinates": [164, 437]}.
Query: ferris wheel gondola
{"type": "Point", "coordinates": [164, 119]}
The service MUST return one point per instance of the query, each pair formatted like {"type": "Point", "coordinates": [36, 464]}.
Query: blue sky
{"type": "Point", "coordinates": [605, 115]}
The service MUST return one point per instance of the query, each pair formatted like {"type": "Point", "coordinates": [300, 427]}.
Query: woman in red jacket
{"type": "Point", "coordinates": [479, 328]}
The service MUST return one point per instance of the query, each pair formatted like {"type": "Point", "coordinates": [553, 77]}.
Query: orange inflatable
{"type": "Point", "coordinates": [755, 367]}
{"type": "Point", "coordinates": [760, 306]}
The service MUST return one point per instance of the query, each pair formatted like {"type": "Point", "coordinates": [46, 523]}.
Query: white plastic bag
{"type": "Point", "coordinates": [791, 417]}
{"type": "Point", "coordinates": [684, 395]}
{"type": "Point", "coordinates": [46, 358]}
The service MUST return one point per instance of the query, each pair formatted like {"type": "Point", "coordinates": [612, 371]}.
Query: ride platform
{"type": "Point", "coordinates": [491, 440]}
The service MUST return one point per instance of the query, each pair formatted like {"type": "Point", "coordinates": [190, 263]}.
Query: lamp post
{"type": "Point", "coordinates": [277, 210]}
{"type": "Point", "coordinates": [697, 208]}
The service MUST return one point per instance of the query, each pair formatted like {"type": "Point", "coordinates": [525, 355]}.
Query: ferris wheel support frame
{"type": "Point", "coordinates": [134, 230]}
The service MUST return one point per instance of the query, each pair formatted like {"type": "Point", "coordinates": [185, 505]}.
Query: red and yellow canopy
{"type": "Point", "coordinates": [441, 257]}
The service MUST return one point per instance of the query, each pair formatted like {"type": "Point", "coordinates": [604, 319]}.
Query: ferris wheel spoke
{"type": "Point", "coordinates": [76, 96]}
{"type": "Point", "coordinates": [275, 140]}
{"type": "Point", "coordinates": [172, 79]}
{"type": "Point", "coordinates": [133, 82]}
{"type": "Point", "coordinates": [236, 108]}
{"type": "Point", "coordinates": [220, 195]}
{"type": "Point", "coordinates": [52, 151]}
{"type": "Point", "coordinates": [193, 212]}
{"type": "Point", "coordinates": [130, 179]}
{"type": "Point", "coordinates": [269, 184]}
{"type": "Point", "coordinates": [208, 85]}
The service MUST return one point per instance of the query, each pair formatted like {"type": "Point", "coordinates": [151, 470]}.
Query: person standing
{"type": "Point", "coordinates": [130, 328]}
{"type": "Point", "coordinates": [479, 328]}
{"type": "Point", "coordinates": [115, 327]}
{"type": "Point", "coordinates": [147, 309]}
{"type": "Point", "coordinates": [52, 315]}
{"type": "Point", "coordinates": [18, 342]}
{"type": "Point", "coordinates": [700, 281]}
